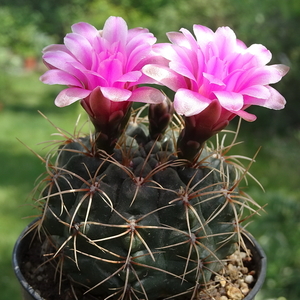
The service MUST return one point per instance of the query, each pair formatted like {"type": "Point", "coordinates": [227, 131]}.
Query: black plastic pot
{"type": "Point", "coordinates": [28, 293]}
{"type": "Point", "coordinates": [21, 246]}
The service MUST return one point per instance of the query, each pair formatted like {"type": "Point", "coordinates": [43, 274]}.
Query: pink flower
{"type": "Point", "coordinates": [110, 59]}
{"type": "Point", "coordinates": [103, 70]}
{"type": "Point", "coordinates": [215, 77]}
{"type": "Point", "coordinates": [217, 66]}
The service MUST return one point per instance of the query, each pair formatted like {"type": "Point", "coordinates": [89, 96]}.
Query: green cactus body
{"type": "Point", "coordinates": [140, 223]}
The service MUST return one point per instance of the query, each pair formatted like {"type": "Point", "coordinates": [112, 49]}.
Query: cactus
{"type": "Point", "coordinates": [144, 207]}
{"type": "Point", "coordinates": [141, 222]}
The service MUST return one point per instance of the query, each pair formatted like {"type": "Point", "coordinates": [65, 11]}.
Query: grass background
{"type": "Point", "coordinates": [277, 168]}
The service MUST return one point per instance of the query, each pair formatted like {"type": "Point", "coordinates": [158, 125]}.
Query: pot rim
{"type": "Point", "coordinates": [261, 262]}
{"type": "Point", "coordinates": [28, 291]}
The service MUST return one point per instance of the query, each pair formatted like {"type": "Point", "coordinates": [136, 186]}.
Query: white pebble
{"type": "Point", "coordinates": [249, 279]}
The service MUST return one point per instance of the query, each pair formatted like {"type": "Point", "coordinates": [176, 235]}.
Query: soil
{"type": "Point", "coordinates": [233, 282]}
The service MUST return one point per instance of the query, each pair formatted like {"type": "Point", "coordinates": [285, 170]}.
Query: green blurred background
{"type": "Point", "coordinates": [28, 26]}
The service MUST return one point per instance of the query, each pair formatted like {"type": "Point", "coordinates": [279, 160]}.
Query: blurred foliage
{"type": "Point", "coordinates": [20, 33]}
{"type": "Point", "coordinates": [28, 26]}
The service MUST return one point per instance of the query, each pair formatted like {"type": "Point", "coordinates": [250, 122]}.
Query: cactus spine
{"type": "Point", "coordinates": [139, 222]}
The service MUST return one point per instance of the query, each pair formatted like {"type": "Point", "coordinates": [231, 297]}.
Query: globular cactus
{"type": "Point", "coordinates": [144, 208]}
{"type": "Point", "coordinates": [141, 222]}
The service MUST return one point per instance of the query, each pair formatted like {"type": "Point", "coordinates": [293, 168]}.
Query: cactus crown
{"type": "Point", "coordinates": [140, 221]}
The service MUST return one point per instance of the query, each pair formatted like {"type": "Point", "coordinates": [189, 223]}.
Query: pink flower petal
{"type": "Point", "coordinates": [86, 30]}
{"type": "Point", "coordinates": [275, 101]}
{"type": "Point", "coordinates": [230, 100]}
{"type": "Point", "coordinates": [186, 65]}
{"type": "Point", "coordinates": [216, 67]}
{"type": "Point", "coordinates": [225, 40]}
{"type": "Point", "coordinates": [138, 32]}
{"type": "Point", "coordinates": [189, 103]}
{"type": "Point", "coordinates": [136, 56]}
{"type": "Point", "coordinates": [115, 30]}
{"type": "Point", "coordinates": [111, 70]}
{"type": "Point", "coordinates": [183, 70]}
{"type": "Point", "coordinates": [60, 77]}
{"type": "Point", "coordinates": [213, 80]}
{"type": "Point", "coordinates": [260, 53]}
{"type": "Point", "coordinates": [152, 59]}
{"type": "Point", "coordinates": [70, 95]}
{"type": "Point", "coordinates": [282, 69]}
{"type": "Point", "coordinates": [240, 46]}
{"type": "Point", "coordinates": [59, 59]}
{"type": "Point", "coordinates": [240, 61]}
{"type": "Point", "coordinates": [275, 73]}
{"type": "Point", "coordinates": [179, 39]}
{"type": "Point", "coordinates": [192, 43]}
{"type": "Point", "coordinates": [246, 116]}
{"type": "Point", "coordinates": [165, 76]}
{"type": "Point", "coordinates": [257, 91]}
{"type": "Point", "coordinates": [115, 94]}
{"type": "Point", "coordinates": [134, 41]}
{"type": "Point", "coordinates": [80, 48]}
{"type": "Point", "coordinates": [177, 55]}
{"type": "Point", "coordinates": [258, 76]}
{"type": "Point", "coordinates": [147, 95]}
{"type": "Point", "coordinates": [55, 47]}
{"type": "Point", "coordinates": [203, 34]}
{"type": "Point", "coordinates": [164, 50]}
{"type": "Point", "coordinates": [130, 77]}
